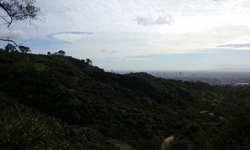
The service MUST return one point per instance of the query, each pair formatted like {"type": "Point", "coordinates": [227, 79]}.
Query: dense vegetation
{"type": "Point", "coordinates": [65, 103]}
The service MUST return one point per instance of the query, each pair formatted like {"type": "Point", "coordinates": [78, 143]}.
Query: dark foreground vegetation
{"type": "Point", "coordinates": [55, 102]}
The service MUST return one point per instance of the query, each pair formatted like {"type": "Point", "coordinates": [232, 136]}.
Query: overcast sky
{"type": "Point", "coordinates": [142, 34]}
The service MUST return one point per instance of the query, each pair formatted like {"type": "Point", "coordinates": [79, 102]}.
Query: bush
{"type": "Point", "coordinates": [191, 128]}
{"type": "Point", "coordinates": [235, 134]}
{"type": "Point", "coordinates": [180, 145]}
{"type": "Point", "coordinates": [22, 128]}
{"type": "Point", "coordinates": [21, 131]}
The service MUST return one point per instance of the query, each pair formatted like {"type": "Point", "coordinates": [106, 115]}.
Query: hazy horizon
{"type": "Point", "coordinates": [178, 71]}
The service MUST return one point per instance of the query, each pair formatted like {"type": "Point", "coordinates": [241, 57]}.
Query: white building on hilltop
{"type": "Point", "coordinates": [60, 53]}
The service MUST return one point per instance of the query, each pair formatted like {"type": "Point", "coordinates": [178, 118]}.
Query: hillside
{"type": "Point", "coordinates": [137, 109]}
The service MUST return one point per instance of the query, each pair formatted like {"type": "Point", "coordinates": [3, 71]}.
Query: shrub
{"type": "Point", "coordinates": [180, 145]}
{"type": "Point", "coordinates": [22, 129]}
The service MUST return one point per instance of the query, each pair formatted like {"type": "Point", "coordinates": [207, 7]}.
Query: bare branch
{"type": "Point", "coordinates": [11, 18]}
{"type": "Point", "coordinates": [18, 10]}
{"type": "Point", "coordinates": [5, 19]}
{"type": "Point", "coordinates": [9, 41]}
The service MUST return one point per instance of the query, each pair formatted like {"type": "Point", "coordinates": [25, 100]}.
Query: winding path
{"type": "Point", "coordinates": [166, 143]}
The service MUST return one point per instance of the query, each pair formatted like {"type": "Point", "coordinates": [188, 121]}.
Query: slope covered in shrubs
{"type": "Point", "coordinates": [138, 109]}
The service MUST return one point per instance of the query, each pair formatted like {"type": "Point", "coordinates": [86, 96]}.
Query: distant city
{"type": "Point", "coordinates": [210, 77]}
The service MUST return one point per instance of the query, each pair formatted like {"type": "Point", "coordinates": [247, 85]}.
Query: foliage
{"type": "Point", "coordinates": [180, 145]}
{"type": "Point", "coordinates": [235, 134]}
{"type": "Point", "coordinates": [137, 109]}
{"type": "Point", "coordinates": [23, 67]}
{"type": "Point", "coordinates": [10, 48]}
{"type": "Point", "coordinates": [88, 61]}
{"type": "Point", "coordinates": [18, 10]}
{"type": "Point", "coordinates": [75, 101]}
{"type": "Point", "coordinates": [25, 128]}
{"type": "Point", "coordinates": [24, 49]}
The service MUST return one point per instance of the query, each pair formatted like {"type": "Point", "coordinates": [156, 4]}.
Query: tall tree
{"type": "Point", "coordinates": [18, 10]}
{"type": "Point", "coordinates": [24, 49]}
{"type": "Point", "coordinates": [14, 10]}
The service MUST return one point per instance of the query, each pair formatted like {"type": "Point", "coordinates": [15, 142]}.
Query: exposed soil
{"type": "Point", "coordinates": [166, 143]}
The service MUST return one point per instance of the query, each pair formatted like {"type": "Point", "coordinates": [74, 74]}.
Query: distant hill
{"type": "Point", "coordinates": [93, 107]}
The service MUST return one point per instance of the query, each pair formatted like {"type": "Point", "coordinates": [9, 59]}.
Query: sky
{"type": "Point", "coordinates": [141, 35]}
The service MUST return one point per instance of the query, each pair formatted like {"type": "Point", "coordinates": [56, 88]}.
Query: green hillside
{"type": "Point", "coordinates": [66, 100]}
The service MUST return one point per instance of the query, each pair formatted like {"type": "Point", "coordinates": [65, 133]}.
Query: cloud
{"type": "Point", "coordinates": [136, 59]}
{"type": "Point", "coordinates": [115, 52]}
{"type": "Point", "coordinates": [139, 27]}
{"type": "Point", "coordinates": [13, 34]}
{"type": "Point", "coordinates": [73, 37]}
{"type": "Point", "coordinates": [104, 51]}
{"type": "Point", "coordinates": [206, 52]}
{"type": "Point", "coordinates": [149, 20]}
{"type": "Point", "coordinates": [235, 45]}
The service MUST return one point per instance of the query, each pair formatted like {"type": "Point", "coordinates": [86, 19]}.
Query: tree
{"type": "Point", "coordinates": [1, 51]}
{"type": "Point", "coordinates": [88, 61]}
{"type": "Point", "coordinates": [15, 10]}
{"type": "Point", "coordinates": [24, 49]}
{"type": "Point", "coordinates": [18, 10]}
{"type": "Point", "coordinates": [10, 48]}
{"type": "Point", "coordinates": [236, 133]}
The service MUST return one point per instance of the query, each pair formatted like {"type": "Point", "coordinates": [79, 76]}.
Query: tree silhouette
{"type": "Point", "coordinates": [88, 61]}
{"type": "Point", "coordinates": [24, 49]}
{"type": "Point", "coordinates": [14, 10]}
{"type": "Point", "coordinates": [10, 48]}
{"type": "Point", "coordinates": [18, 10]}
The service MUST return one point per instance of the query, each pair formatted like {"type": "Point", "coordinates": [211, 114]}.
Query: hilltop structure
{"type": "Point", "coordinates": [60, 53]}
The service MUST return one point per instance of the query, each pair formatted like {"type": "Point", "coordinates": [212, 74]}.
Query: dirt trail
{"type": "Point", "coordinates": [121, 145]}
{"type": "Point", "coordinates": [165, 143]}
{"type": "Point", "coordinates": [219, 116]}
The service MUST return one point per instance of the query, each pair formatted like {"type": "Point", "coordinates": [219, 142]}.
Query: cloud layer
{"type": "Point", "coordinates": [149, 20]}
{"type": "Point", "coordinates": [73, 37]}
{"type": "Point", "coordinates": [104, 29]}
{"type": "Point", "coordinates": [235, 45]}
{"type": "Point", "coordinates": [12, 34]}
